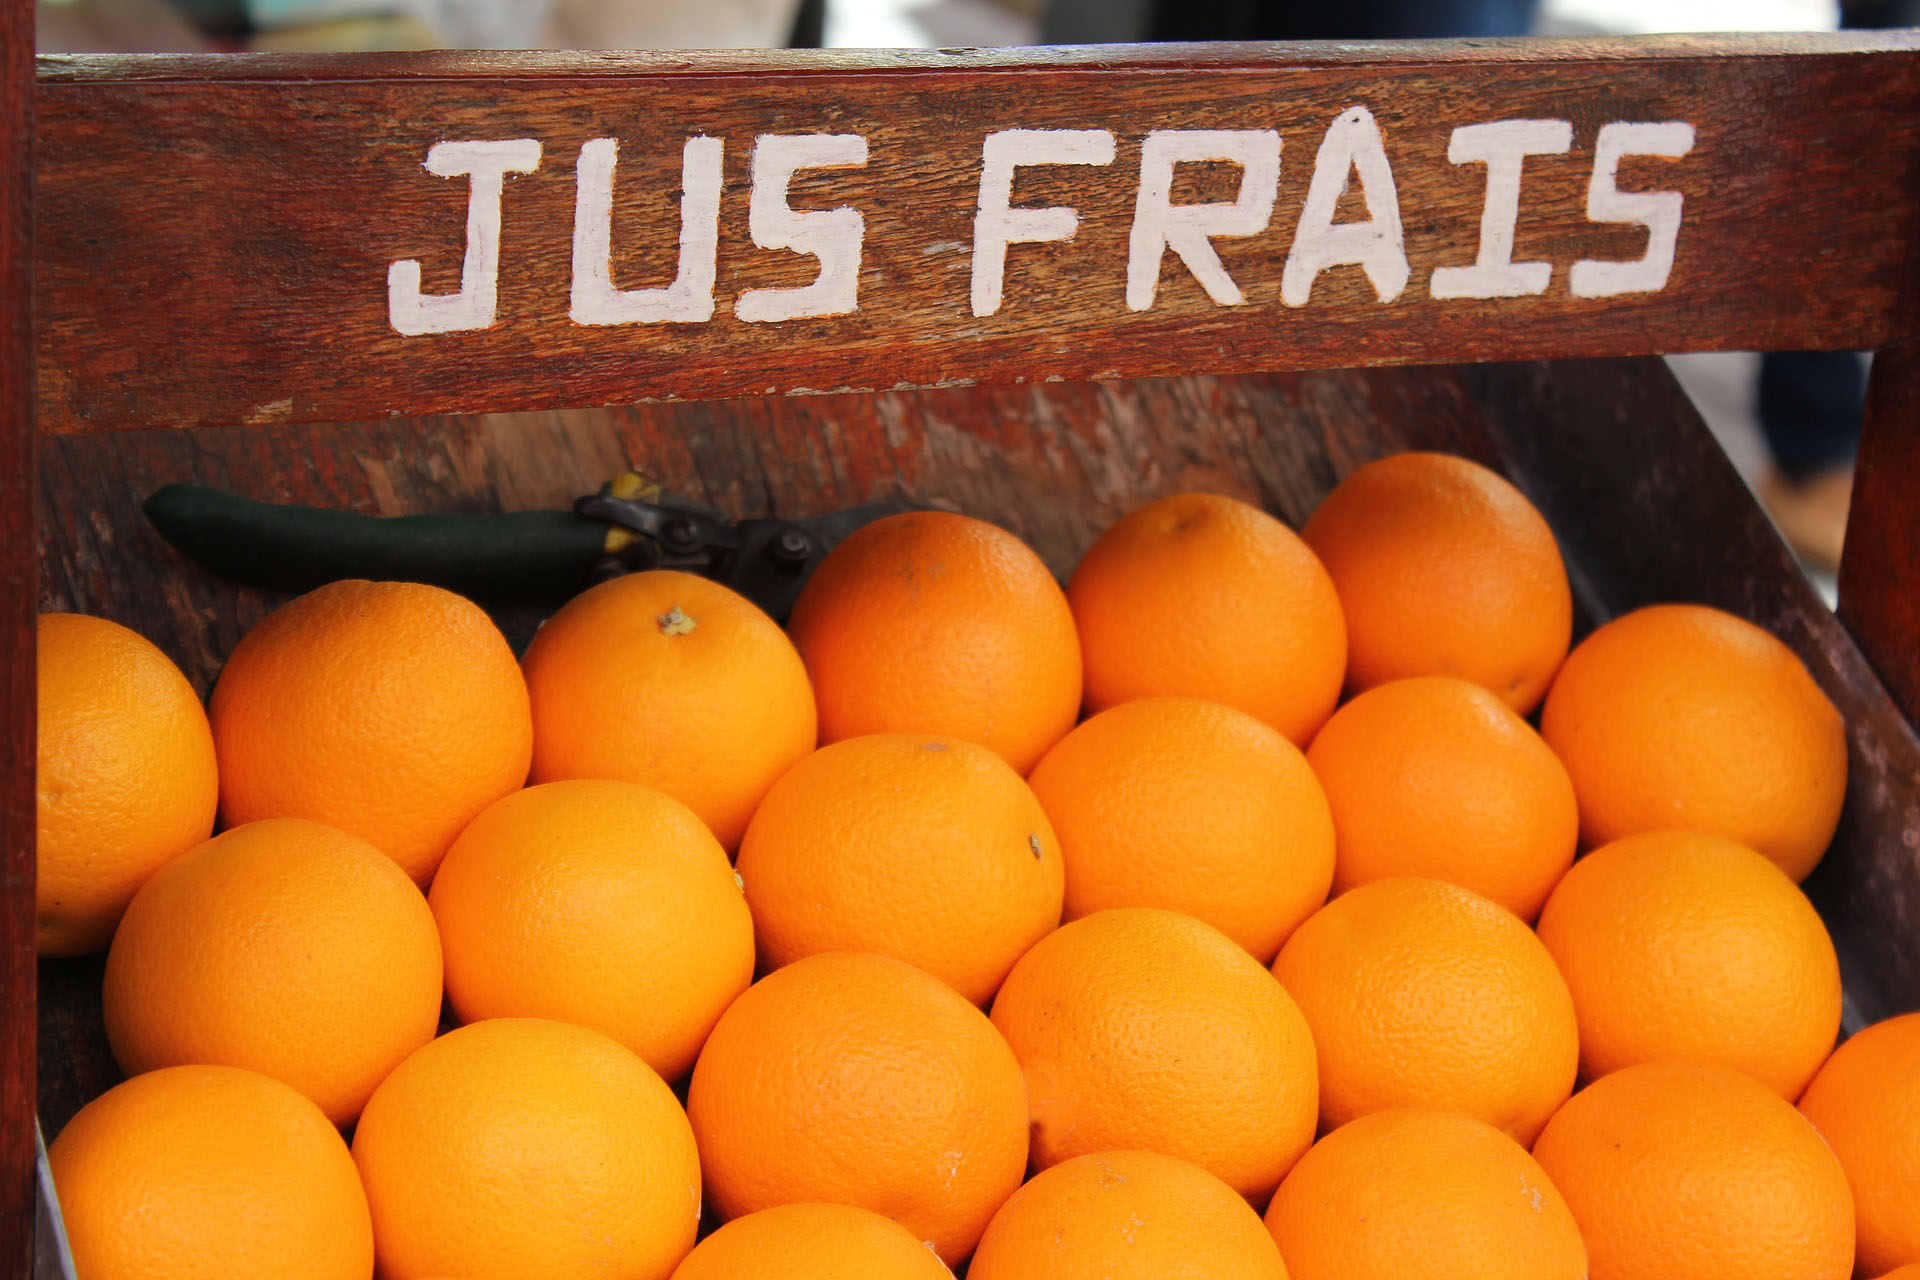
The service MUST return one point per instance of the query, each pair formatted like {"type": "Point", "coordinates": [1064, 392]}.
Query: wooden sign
{"type": "Point", "coordinates": [265, 240]}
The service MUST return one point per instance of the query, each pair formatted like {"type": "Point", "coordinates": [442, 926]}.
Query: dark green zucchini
{"type": "Point", "coordinates": [514, 557]}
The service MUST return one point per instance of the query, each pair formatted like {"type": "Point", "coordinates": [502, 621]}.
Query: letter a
{"type": "Point", "coordinates": [1376, 246]}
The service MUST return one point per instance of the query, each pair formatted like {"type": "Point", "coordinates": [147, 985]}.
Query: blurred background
{"type": "Point", "coordinates": [1788, 424]}
{"type": "Point", "coordinates": [96, 25]}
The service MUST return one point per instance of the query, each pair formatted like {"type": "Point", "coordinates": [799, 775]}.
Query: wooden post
{"type": "Point", "coordinates": [1880, 569]}
{"type": "Point", "coordinates": [19, 576]}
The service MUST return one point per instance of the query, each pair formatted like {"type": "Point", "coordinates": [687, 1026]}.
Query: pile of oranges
{"type": "Point", "coordinates": [1089, 925]}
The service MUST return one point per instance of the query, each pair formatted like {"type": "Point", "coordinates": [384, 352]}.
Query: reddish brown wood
{"type": "Point", "coordinates": [218, 232]}
{"type": "Point", "coordinates": [578, 64]}
{"type": "Point", "coordinates": [19, 569]}
{"type": "Point", "coordinates": [1880, 570]}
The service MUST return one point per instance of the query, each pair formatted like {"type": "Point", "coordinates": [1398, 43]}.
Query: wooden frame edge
{"type": "Point", "coordinates": [60, 69]}
{"type": "Point", "coordinates": [19, 589]}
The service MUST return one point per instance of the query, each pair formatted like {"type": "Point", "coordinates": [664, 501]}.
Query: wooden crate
{"type": "Point", "coordinates": [222, 247]}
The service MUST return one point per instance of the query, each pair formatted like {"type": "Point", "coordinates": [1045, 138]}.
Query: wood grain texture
{"type": "Point", "coordinates": [575, 64]}
{"type": "Point", "coordinates": [217, 232]}
{"type": "Point", "coordinates": [1880, 569]}
{"type": "Point", "coordinates": [18, 589]}
{"type": "Point", "coordinates": [1645, 505]}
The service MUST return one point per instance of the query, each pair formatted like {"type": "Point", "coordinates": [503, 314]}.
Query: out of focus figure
{"type": "Point", "coordinates": [1074, 21]}
{"type": "Point", "coordinates": [1356, 20]}
{"type": "Point", "coordinates": [1809, 408]}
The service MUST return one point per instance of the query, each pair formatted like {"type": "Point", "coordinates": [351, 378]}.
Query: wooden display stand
{"type": "Point", "coordinates": [1043, 285]}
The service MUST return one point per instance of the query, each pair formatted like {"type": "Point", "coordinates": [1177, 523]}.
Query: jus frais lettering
{"type": "Point", "coordinates": [1348, 160]}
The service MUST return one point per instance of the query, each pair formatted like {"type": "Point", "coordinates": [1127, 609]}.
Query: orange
{"type": "Point", "coordinates": [523, 1149]}
{"type": "Point", "coordinates": [1421, 1193]}
{"type": "Point", "coordinates": [936, 623]}
{"type": "Point", "coordinates": [1424, 994]}
{"type": "Point", "coordinates": [210, 1172]}
{"type": "Point", "coordinates": [1681, 716]}
{"type": "Point", "coordinates": [1909, 1272]}
{"type": "Point", "coordinates": [285, 946]}
{"type": "Point", "coordinates": [391, 710]}
{"type": "Point", "coordinates": [674, 681]}
{"type": "Point", "coordinates": [1444, 569]}
{"type": "Point", "coordinates": [1685, 1169]}
{"type": "Point", "coordinates": [1141, 1029]}
{"type": "Point", "coordinates": [930, 850]}
{"type": "Point", "coordinates": [1434, 776]}
{"type": "Point", "coordinates": [860, 1080]}
{"type": "Point", "coordinates": [1204, 596]}
{"type": "Point", "coordinates": [1192, 806]}
{"type": "Point", "coordinates": [812, 1242]}
{"type": "Point", "coordinates": [1126, 1215]}
{"type": "Point", "coordinates": [1866, 1103]}
{"type": "Point", "coordinates": [125, 777]}
{"type": "Point", "coordinates": [605, 904]}
{"type": "Point", "coordinates": [1677, 944]}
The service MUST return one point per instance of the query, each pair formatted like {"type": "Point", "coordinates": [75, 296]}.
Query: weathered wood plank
{"type": "Point", "coordinates": [576, 64]}
{"type": "Point", "coordinates": [219, 234]}
{"type": "Point", "coordinates": [18, 589]}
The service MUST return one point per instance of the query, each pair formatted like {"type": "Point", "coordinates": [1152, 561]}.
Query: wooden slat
{"type": "Point", "coordinates": [576, 65]}
{"type": "Point", "coordinates": [217, 234]}
{"type": "Point", "coordinates": [1880, 570]}
{"type": "Point", "coordinates": [19, 577]}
